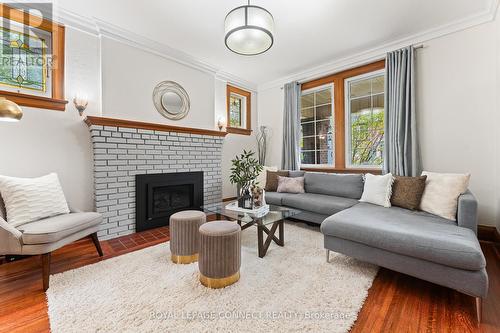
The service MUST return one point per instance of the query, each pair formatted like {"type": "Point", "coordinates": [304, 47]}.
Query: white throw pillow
{"type": "Point", "coordinates": [378, 189]}
{"type": "Point", "coordinates": [441, 193]}
{"type": "Point", "coordinates": [262, 177]}
{"type": "Point", "coordinates": [31, 199]}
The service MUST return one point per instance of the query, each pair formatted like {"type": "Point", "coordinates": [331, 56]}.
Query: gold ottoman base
{"type": "Point", "coordinates": [219, 283]}
{"type": "Point", "coordinates": [184, 259]}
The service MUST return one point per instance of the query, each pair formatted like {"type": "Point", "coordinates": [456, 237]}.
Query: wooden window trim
{"type": "Point", "coordinates": [336, 170]}
{"type": "Point", "coordinates": [337, 80]}
{"type": "Point", "coordinates": [57, 101]}
{"type": "Point", "coordinates": [248, 97]}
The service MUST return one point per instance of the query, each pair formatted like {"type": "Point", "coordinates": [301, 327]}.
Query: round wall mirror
{"type": "Point", "coordinates": [171, 100]}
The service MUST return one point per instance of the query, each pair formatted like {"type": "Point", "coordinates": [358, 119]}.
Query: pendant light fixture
{"type": "Point", "coordinates": [249, 30]}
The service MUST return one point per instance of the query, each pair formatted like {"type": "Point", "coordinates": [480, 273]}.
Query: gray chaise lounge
{"type": "Point", "coordinates": [416, 243]}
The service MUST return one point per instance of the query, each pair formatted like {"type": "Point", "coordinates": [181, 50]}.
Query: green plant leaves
{"type": "Point", "coordinates": [245, 168]}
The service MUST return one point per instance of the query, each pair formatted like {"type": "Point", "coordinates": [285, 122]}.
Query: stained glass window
{"type": "Point", "coordinates": [235, 111]}
{"type": "Point", "coordinates": [24, 61]}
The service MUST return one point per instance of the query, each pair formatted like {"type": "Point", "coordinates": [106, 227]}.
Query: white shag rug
{"type": "Point", "coordinates": [291, 289]}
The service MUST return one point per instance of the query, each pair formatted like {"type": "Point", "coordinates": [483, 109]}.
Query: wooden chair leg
{"type": "Point", "coordinates": [479, 309]}
{"type": "Point", "coordinates": [96, 243]}
{"type": "Point", "coordinates": [46, 270]}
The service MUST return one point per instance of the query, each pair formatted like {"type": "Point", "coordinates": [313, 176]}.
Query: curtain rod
{"type": "Point", "coordinates": [416, 47]}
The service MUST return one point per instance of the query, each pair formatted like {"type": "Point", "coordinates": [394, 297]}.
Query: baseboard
{"type": "Point", "coordinates": [488, 233]}
{"type": "Point", "coordinates": [229, 199]}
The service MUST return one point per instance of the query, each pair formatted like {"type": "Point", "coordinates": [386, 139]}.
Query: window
{"type": "Point", "coordinates": [342, 121]}
{"type": "Point", "coordinates": [29, 44]}
{"type": "Point", "coordinates": [238, 111]}
{"type": "Point", "coordinates": [316, 119]}
{"type": "Point", "coordinates": [365, 120]}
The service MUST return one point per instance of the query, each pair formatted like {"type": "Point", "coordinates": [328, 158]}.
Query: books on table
{"type": "Point", "coordinates": [256, 212]}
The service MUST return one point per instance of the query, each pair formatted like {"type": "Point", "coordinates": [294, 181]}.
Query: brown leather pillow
{"type": "Point", "coordinates": [272, 179]}
{"type": "Point", "coordinates": [407, 191]}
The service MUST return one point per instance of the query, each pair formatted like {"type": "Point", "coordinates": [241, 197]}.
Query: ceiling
{"type": "Point", "coordinates": [308, 33]}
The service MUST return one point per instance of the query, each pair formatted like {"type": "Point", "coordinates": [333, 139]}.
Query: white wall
{"type": "Point", "coordinates": [129, 76]}
{"type": "Point", "coordinates": [47, 141]}
{"type": "Point", "coordinates": [270, 108]}
{"type": "Point", "coordinates": [457, 109]}
{"type": "Point", "coordinates": [457, 94]}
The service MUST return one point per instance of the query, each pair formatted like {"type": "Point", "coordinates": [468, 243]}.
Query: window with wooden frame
{"type": "Point", "coordinates": [239, 109]}
{"type": "Point", "coordinates": [32, 59]}
{"type": "Point", "coordinates": [342, 121]}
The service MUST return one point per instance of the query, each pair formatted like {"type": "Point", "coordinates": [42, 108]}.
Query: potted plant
{"type": "Point", "coordinates": [245, 169]}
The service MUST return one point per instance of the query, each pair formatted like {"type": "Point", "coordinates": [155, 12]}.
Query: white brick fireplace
{"type": "Point", "coordinates": [127, 149]}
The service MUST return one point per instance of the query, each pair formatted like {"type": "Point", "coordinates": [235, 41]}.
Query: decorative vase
{"type": "Point", "coordinates": [245, 200]}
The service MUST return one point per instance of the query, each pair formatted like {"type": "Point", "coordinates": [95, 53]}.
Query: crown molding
{"type": "Point", "coordinates": [62, 16]}
{"type": "Point", "coordinates": [370, 55]}
{"type": "Point", "coordinates": [76, 21]}
{"type": "Point", "coordinates": [100, 28]}
{"type": "Point", "coordinates": [162, 50]}
{"type": "Point", "coordinates": [132, 39]}
{"type": "Point", "coordinates": [236, 81]}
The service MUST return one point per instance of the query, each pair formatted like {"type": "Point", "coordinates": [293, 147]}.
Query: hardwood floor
{"type": "Point", "coordinates": [396, 302]}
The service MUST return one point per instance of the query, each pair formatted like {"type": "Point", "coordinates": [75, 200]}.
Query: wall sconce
{"type": "Point", "coordinates": [80, 102]}
{"type": "Point", "coordinates": [221, 123]}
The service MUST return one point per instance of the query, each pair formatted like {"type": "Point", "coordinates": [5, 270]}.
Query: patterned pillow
{"type": "Point", "coordinates": [291, 185]}
{"type": "Point", "coordinates": [272, 179]}
{"type": "Point", "coordinates": [407, 191]}
{"type": "Point", "coordinates": [31, 199]}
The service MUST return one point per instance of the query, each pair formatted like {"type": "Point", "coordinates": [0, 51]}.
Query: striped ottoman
{"type": "Point", "coordinates": [184, 235]}
{"type": "Point", "coordinates": [220, 254]}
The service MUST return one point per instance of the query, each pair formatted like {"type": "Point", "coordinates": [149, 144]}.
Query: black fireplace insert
{"type": "Point", "coordinates": [158, 196]}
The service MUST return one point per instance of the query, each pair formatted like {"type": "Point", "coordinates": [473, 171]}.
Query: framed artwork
{"type": "Point", "coordinates": [31, 59]}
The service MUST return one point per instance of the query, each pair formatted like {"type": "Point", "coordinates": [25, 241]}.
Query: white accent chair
{"type": "Point", "coordinates": [46, 235]}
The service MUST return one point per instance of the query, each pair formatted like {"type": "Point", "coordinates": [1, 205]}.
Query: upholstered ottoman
{"type": "Point", "coordinates": [184, 235]}
{"type": "Point", "coordinates": [220, 254]}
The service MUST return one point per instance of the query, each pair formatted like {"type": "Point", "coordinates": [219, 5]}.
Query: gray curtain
{"type": "Point", "coordinates": [401, 151]}
{"type": "Point", "coordinates": [291, 127]}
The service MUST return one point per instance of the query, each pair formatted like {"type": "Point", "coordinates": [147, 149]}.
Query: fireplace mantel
{"type": "Point", "coordinates": [103, 121]}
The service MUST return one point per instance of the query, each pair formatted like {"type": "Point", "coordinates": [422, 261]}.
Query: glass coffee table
{"type": "Point", "coordinates": [269, 223]}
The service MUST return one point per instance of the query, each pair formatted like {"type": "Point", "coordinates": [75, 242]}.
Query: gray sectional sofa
{"type": "Point", "coordinates": [416, 243]}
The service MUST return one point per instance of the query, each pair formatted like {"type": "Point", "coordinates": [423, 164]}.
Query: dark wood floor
{"type": "Point", "coordinates": [396, 302]}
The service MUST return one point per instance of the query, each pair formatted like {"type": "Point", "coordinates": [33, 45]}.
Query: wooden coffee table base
{"type": "Point", "coordinates": [263, 245]}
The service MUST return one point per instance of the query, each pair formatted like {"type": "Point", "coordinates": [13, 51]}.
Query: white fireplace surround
{"type": "Point", "coordinates": [120, 153]}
